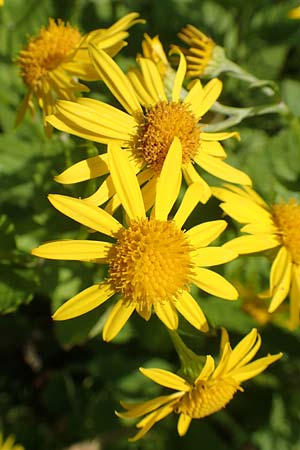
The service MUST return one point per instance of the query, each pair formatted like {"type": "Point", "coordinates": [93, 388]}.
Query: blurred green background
{"type": "Point", "coordinates": [59, 383]}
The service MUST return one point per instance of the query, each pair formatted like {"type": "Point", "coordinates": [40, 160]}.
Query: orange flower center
{"type": "Point", "coordinates": [287, 218]}
{"type": "Point", "coordinates": [150, 262]}
{"type": "Point", "coordinates": [157, 129]}
{"type": "Point", "coordinates": [207, 397]}
{"type": "Point", "coordinates": [47, 51]}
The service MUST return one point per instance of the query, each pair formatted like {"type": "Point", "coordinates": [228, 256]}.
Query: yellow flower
{"type": "Point", "coordinates": [269, 227]}
{"type": "Point", "coordinates": [200, 53]}
{"type": "Point", "coordinates": [9, 443]}
{"type": "Point", "coordinates": [211, 391]}
{"type": "Point", "coordinates": [53, 61]}
{"type": "Point", "coordinates": [153, 262]}
{"type": "Point", "coordinates": [147, 128]}
{"type": "Point", "coordinates": [294, 13]}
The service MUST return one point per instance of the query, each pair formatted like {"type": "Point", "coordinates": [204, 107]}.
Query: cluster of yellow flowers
{"type": "Point", "coordinates": [155, 138]}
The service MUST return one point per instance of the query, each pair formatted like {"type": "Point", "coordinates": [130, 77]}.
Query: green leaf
{"type": "Point", "coordinates": [291, 95]}
{"type": "Point", "coordinates": [16, 287]}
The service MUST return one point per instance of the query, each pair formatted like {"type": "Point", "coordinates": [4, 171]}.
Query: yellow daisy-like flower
{"type": "Point", "coordinates": [269, 227]}
{"type": "Point", "coordinates": [211, 391]}
{"type": "Point", "coordinates": [53, 61]}
{"type": "Point", "coordinates": [9, 443]}
{"type": "Point", "coordinates": [152, 262]}
{"type": "Point", "coordinates": [147, 128]}
{"type": "Point", "coordinates": [199, 55]}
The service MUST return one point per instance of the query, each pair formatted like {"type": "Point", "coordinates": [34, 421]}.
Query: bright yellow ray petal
{"type": "Point", "coordinates": [194, 96]}
{"type": "Point", "coordinates": [169, 181]}
{"type": "Point", "coordinates": [189, 202]}
{"type": "Point", "coordinates": [214, 284]}
{"type": "Point", "coordinates": [179, 77]}
{"type": "Point", "coordinates": [207, 370]}
{"type": "Point", "coordinates": [213, 148]}
{"type": "Point", "coordinates": [280, 278]}
{"type": "Point", "coordinates": [220, 169]}
{"type": "Point", "coordinates": [219, 136]}
{"type": "Point", "coordinates": [167, 379]}
{"type": "Point", "coordinates": [205, 233]}
{"type": "Point", "coordinates": [105, 191]}
{"type": "Point", "coordinates": [148, 422]}
{"type": "Point", "coordinates": [242, 350]}
{"type": "Point", "coordinates": [145, 97]}
{"type": "Point", "coordinates": [183, 424]}
{"type": "Point", "coordinates": [152, 79]}
{"type": "Point", "coordinates": [125, 182]}
{"type": "Point", "coordinates": [210, 93]}
{"type": "Point", "coordinates": [255, 228]}
{"type": "Point", "coordinates": [166, 312]}
{"type": "Point", "coordinates": [191, 176]}
{"type": "Point", "coordinates": [191, 311]}
{"type": "Point", "coordinates": [85, 301]}
{"type": "Point", "coordinates": [212, 256]}
{"type": "Point", "coordinates": [86, 214]}
{"type": "Point", "coordinates": [86, 169]}
{"type": "Point", "coordinates": [92, 123]}
{"type": "Point", "coordinates": [76, 250]}
{"type": "Point", "coordinates": [116, 320]}
{"type": "Point", "coordinates": [251, 244]}
{"type": "Point", "coordinates": [295, 297]}
{"type": "Point", "coordinates": [114, 78]}
{"type": "Point", "coordinates": [140, 409]}
{"type": "Point", "coordinates": [254, 368]}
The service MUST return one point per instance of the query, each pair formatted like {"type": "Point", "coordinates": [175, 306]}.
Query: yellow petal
{"type": "Point", "coordinates": [115, 79]}
{"type": "Point", "coordinates": [189, 202]}
{"type": "Point", "coordinates": [191, 311]}
{"type": "Point", "coordinates": [147, 423]}
{"type": "Point", "coordinates": [125, 182]}
{"type": "Point", "coordinates": [140, 409]}
{"type": "Point", "coordinates": [84, 302]}
{"type": "Point", "coordinates": [166, 312]}
{"type": "Point", "coordinates": [254, 368]}
{"type": "Point", "coordinates": [191, 176]}
{"type": "Point", "coordinates": [245, 350]}
{"type": "Point", "coordinates": [105, 191]}
{"type": "Point", "coordinates": [76, 250]}
{"type": "Point", "coordinates": [213, 256]}
{"type": "Point", "coordinates": [169, 181]}
{"type": "Point", "coordinates": [86, 214]}
{"type": "Point", "coordinates": [280, 278]}
{"type": "Point", "coordinates": [207, 370]}
{"type": "Point", "coordinates": [183, 424]}
{"type": "Point", "coordinates": [214, 284]}
{"type": "Point", "coordinates": [145, 97]}
{"type": "Point", "coordinates": [116, 320]}
{"type": "Point", "coordinates": [220, 169]}
{"type": "Point", "coordinates": [203, 234]}
{"type": "Point", "coordinates": [87, 122]}
{"type": "Point", "coordinates": [295, 297]}
{"type": "Point", "coordinates": [84, 170]}
{"type": "Point", "coordinates": [251, 244]}
{"type": "Point", "coordinates": [152, 79]}
{"type": "Point", "coordinates": [179, 77]}
{"type": "Point", "coordinates": [213, 148]}
{"type": "Point", "coordinates": [167, 379]}
{"type": "Point", "coordinates": [209, 95]}
{"type": "Point", "coordinates": [219, 136]}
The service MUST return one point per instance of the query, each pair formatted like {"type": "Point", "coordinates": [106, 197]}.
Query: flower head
{"type": "Point", "coordinates": [211, 390]}
{"type": "Point", "coordinates": [147, 128]}
{"type": "Point", "coordinates": [152, 262]}
{"type": "Point", "coordinates": [294, 13]}
{"type": "Point", "coordinates": [9, 443]}
{"type": "Point", "coordinates": [268, 227]}
{"type": "Point", "coordinates": [52, 62]}
{"type": "Point", "coordinates": [200, 53]}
